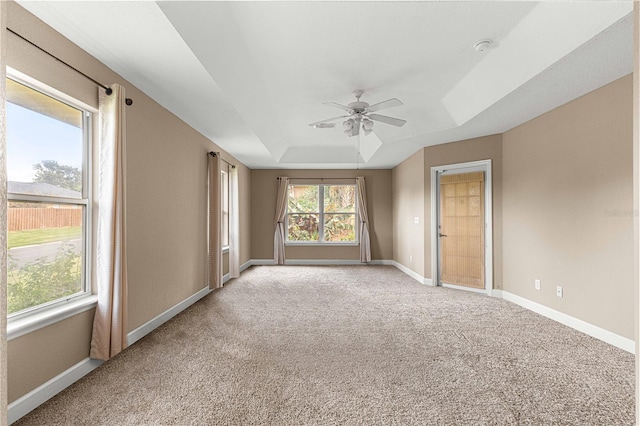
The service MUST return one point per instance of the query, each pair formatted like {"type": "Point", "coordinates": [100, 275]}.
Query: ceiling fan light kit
{"type": "Point", "coordinates": [360, 115]}
{"type": "Point", "coordinates": [348, 125]}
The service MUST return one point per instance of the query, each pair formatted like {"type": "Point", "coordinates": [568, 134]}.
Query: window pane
{"type": "Point", "coordinates": [44, 144]}
{"type": "Point", "coordinates": [45, 253]}
{"type": "Point", "coordinates": [225, 209]}
{"type": "Point", "coordinates": [303, 198]}
{"type": "Point", "coordinates": [339, 198]}
{"type": "Point", "coordinates": [339, 227]}
{"type": "Point", "coordinates": [303, 227]}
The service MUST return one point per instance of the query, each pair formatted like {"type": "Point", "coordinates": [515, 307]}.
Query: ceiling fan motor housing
{"type": "Point", "coordinates": [358, 107]}
{"type": "Point", "coordinates": [361, 114]}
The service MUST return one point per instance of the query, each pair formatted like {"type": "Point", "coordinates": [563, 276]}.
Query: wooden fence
{"type": "Point", "coordinates": [24, 219]}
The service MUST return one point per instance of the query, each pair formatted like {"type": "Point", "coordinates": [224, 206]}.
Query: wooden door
{"type": "Point", "coordinates": [462, 229]}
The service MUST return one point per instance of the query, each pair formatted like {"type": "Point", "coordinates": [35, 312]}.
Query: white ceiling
{"type": "Point", "coordinates": [252, 75]}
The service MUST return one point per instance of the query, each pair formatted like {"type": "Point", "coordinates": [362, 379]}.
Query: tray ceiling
{"type": "Point", "coordinates": [252, 75]}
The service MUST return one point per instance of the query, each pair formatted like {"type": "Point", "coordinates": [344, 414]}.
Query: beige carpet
{"type": "Point", "coordinates": [297, 345]}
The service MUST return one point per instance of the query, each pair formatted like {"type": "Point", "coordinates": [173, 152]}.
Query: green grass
{"type": "Point", "coordinates": [39, 236]}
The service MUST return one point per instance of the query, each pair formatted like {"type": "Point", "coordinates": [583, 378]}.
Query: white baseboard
{"type": "Point", "coordinates": [262, 262]}
{"type": "Point", "coordinates": [577, 324]}
{"type": "Point", "coordinates": [246, 265]}
{"type": "Point", "coordinates": [609, 337]}
{"type": "Point", "coordinates": [267, 262]}
{"type": "Point", "coordinates": [156, 322]}
{"type": "Point", "coordinates": [381, 262]}
{"type": "Point", "coordinates": [413, 274]}
{"type": "Point", "coordinates": [226, 277]}
{"type": "Point", "coordinates": [322, 262]}
{"type": "Point", "coordinates": [23, 405]}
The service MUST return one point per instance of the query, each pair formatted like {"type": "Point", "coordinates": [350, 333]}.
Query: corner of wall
{"type": "Point", "coordinates": [409, 216]}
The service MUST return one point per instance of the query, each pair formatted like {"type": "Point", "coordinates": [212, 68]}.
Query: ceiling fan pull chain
{"type": "Point", "coordinates": [358, 152]}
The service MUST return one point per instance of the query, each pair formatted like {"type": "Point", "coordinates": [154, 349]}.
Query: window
{"type": "Point", "coordinates": [225, 208]}
{"type": "Point", "coordinates": [48, 144]}
{"type": "Point", "coordinates": [321, 213]}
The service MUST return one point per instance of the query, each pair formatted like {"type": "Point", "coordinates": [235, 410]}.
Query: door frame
{"type": "Point", "coordinates": [436, 171]}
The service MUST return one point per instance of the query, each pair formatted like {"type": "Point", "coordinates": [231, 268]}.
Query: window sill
{"type": "Point", "coordinates": [29, 323]}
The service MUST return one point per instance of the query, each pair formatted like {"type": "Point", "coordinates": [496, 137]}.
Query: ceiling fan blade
{"type": "Point", "coordinates": [329, 120]}
{"type": "Point", "coordinates": [346, 108]}
{"type": "Point", "coordinates": [388, 120]}
{"type": "Point", "coordinates": [389, 103]}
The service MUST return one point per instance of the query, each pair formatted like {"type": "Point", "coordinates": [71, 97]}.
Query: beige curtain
{"type": "Point", "coordinates": [110, 322]}
{"type": "Point", "coordinates": [234, 225]}
{"type": "Point", "coordinates": [280, 220]}
{"type": "Point", "coordinates": [215, 222]}
{"type": "Point", "coordinates": [365, 243]}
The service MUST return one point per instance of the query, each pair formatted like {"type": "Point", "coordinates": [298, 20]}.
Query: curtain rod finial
{"type": "Point", "coordinates": [128, 101]}
{"type": "Point", "coordinates": [108, 90]}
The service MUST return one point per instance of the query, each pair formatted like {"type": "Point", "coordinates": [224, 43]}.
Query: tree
{"type": "Point", "coordinates": [49, 171]}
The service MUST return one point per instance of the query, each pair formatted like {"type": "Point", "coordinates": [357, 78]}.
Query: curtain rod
{"type": "Point", "coordinates": [213, 154]}
{"type": "Point", "coordinates": [108, 90]}
{"type": "Point", "coordinates": [321, 178]}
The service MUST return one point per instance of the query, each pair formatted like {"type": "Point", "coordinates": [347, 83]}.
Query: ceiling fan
{"type": "Point", "coordinates": [360, 114]}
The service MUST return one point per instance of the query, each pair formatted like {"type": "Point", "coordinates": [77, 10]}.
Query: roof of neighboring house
{"type": "Point", "coordinates": [41, 188]}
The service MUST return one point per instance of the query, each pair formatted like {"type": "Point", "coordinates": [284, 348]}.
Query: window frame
{"type": "Point", "coordinates": [35, 317]}
{"type": "Point", "coordinates": [321, 215]}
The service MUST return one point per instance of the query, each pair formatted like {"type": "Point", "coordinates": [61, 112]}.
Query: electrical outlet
{"type": "Point", "coordinates": [559, 291]}
{"type": "Point", "coordinates": [416, 220]}
{"type": "Point", "coordinates": [537, 284]}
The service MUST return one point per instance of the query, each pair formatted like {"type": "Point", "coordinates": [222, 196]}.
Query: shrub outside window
{"type": "Point", "coordinates": [321, 213]}
{"type": "Point", "coordinates": [48, 198]}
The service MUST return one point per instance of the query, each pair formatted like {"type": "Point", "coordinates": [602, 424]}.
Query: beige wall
{"type": "Point", "coordinates": [409, 195]}
{"type": "Point", "coordinates": [568, 208]}
{"type": "Point", "coordinates": [244, 192]}
{"type": "Point", "coordinates": [166, 203]}
{"type": "Point", "coordinates": [263, 202]}
{"type": "Point", "coordinates": [408, 203]}
{"type": "Point", "coordinates": [562, 206]}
